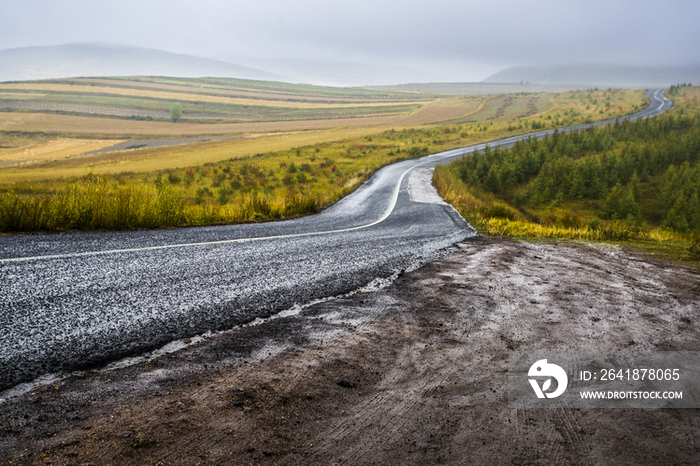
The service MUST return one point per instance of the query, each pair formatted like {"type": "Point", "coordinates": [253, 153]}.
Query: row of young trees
{"type": "Point", "coordinates": [622, 167]}
{"type": "Point", "coordinates": [679, 196]}
{"type": "Point", "coordinates": [675, 90]}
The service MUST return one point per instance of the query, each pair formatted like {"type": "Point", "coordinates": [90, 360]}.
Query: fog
{"type": "Point", "coordinates": [366, 42]}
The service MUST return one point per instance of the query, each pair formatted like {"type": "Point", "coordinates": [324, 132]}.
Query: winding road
{"type": "Point", "coordinates": [75, 300]}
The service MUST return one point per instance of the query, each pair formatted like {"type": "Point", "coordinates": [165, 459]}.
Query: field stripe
{"type": "Point", "coordinates": [182, 96]}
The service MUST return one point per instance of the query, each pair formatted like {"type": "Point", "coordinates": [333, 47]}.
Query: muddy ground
{"type": "Point", "coordinates": [414, 374]}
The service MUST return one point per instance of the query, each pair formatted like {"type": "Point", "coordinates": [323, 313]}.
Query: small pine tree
{"type": "Point", "coordinates": [491, 182]}
{"type": "Point", "coordinates": [577, 186]}
{"type": "Point", "coordinates": [635, 188]}
{"type": "Point", "coordinates": [629, 208]}
{"type": "Point", "coordinates": [676, 217]}
{"type": "Point", "coordinates": [694, 212]}
{"type": "Point", "coordinates": [612, 205]}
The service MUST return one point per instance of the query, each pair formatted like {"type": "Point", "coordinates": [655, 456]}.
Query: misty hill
{"type": "Point", "coordinates": [99, 59]}
{"type": "Point", "coordinates": [598, 75]}
{"type": "Point", "coordinates": [480, 88]}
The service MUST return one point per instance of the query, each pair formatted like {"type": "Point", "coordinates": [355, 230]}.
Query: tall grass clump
{"type": "Point", "coordinates": [91, 204]}
{"type": "Point", "coordinates": [495, 217]}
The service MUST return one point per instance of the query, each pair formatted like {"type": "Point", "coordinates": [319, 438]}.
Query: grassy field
{"type": "Point", "coordinates": [254, 89]}
{"type": "Point", "coordinates": [53, 150]}
{"type": "Point", "coordinates": [226, 100]}
{"type": "Point", "coordinates": [273, 185]}
{"type": "Point", "coordinates": [267, 167]}
{"type": "Point", "coordinates": [482, 88]}
{"type": "Point", "coordinates": [636, 183]}
{"type": "Point", "coordinates": [62, 91]}
{"type": "Point", "coordinates": [40, 124]}
{"type": "Point", "coordinates": [216, 101]}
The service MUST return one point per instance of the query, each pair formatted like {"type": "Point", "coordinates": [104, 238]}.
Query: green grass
{"type": "Point", "coordinates": [263, 90]}
{"type": "Point", "coordinates": [493, 217]}
{"type": "Point", "coordinates": [77, 103]}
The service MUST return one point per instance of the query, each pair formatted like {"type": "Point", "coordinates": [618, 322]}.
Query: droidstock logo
{"type": "Point", "coordinates": [542, 369]}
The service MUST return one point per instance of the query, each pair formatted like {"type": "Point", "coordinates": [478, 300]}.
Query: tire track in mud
{"type": "Point", "coordinates": [425, 361]}
{"type": "Point", "coordinates": [386, 403]}
{"type": "Point", "coordinates": [405, 393]}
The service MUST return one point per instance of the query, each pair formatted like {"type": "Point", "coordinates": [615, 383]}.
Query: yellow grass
{"type": "Point", "coordinates": [149, 160]}
{"type": "Point", "coordinates": [16, 121]}
{"type": "Point", "coordinates": [281, 95]}
{"type": "Point", "coordinates": [14, 95]}
{"type": "Point", "coordinates": [182, 96]}
{"type": "Point", "coordinates": [55, 149]}
{"type": "Point", "coordinates": [687, 100]}
{"type": "Point", "coordinates": [444, 109]}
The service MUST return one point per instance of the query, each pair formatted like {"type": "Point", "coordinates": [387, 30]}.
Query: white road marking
{"type": "Point", "coordinates": [226, 241]}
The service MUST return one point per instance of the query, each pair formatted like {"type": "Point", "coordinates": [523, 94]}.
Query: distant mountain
{"type": "Point", "coordinates": [345, 71]}
{"type": "Point", "coordinates": [99, 59]}
{"type": "Point", "coordinates": [598, 75]}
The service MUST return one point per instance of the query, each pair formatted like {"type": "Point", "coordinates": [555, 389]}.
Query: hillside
{"type": "Point", "coordinates": [480, 88]}
{"type": "Point", "coordinates": [597, 75]}
{"type": "Point", "coordinates": [101, 59]}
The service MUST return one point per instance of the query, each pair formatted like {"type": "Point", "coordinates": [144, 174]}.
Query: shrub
{"type": "Point", "coordinates": [219, 179]}
{"type": "Point", "coordinates": [175, 111]}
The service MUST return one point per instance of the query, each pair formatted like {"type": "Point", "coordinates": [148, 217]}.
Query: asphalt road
{"type": "Point", "coordinates": [75, 300]}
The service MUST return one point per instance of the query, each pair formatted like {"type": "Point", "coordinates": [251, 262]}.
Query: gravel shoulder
{"type": "Point", "coordinates": [413, 373]}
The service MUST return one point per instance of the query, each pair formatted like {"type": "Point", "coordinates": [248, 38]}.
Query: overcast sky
{"type": "Point", "coordinates": [447, 40]}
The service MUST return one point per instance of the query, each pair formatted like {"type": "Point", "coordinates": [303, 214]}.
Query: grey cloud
{"type": "Point", "coordinates": [451, 36]}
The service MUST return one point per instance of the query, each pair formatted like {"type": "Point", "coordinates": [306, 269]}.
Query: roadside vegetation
{"type": "Point", "coordinates": [269, 186]}
{"type": "Point", "coordinates": [636, 182]}
{"type": "Point", "coordinates": [259, 175]}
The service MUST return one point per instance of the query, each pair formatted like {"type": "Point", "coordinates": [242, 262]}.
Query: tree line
{"type": "Point", "coordinates": [641, 171]}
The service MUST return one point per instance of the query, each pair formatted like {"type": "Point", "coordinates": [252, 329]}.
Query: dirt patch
{"type": "Point", "coordinates": [442, 110]}
{"type": "Point", "coordinates": [53, 150]}
{"type": "Point", "coordinates": [149, 144]}
{"type": "Point", "coordinates": [411, 374]}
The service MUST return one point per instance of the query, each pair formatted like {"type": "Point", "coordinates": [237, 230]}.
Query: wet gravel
{"type": "Point", "coordinates": [67, 311]}
{"type": "Point", "coordinates": [414, 373]}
